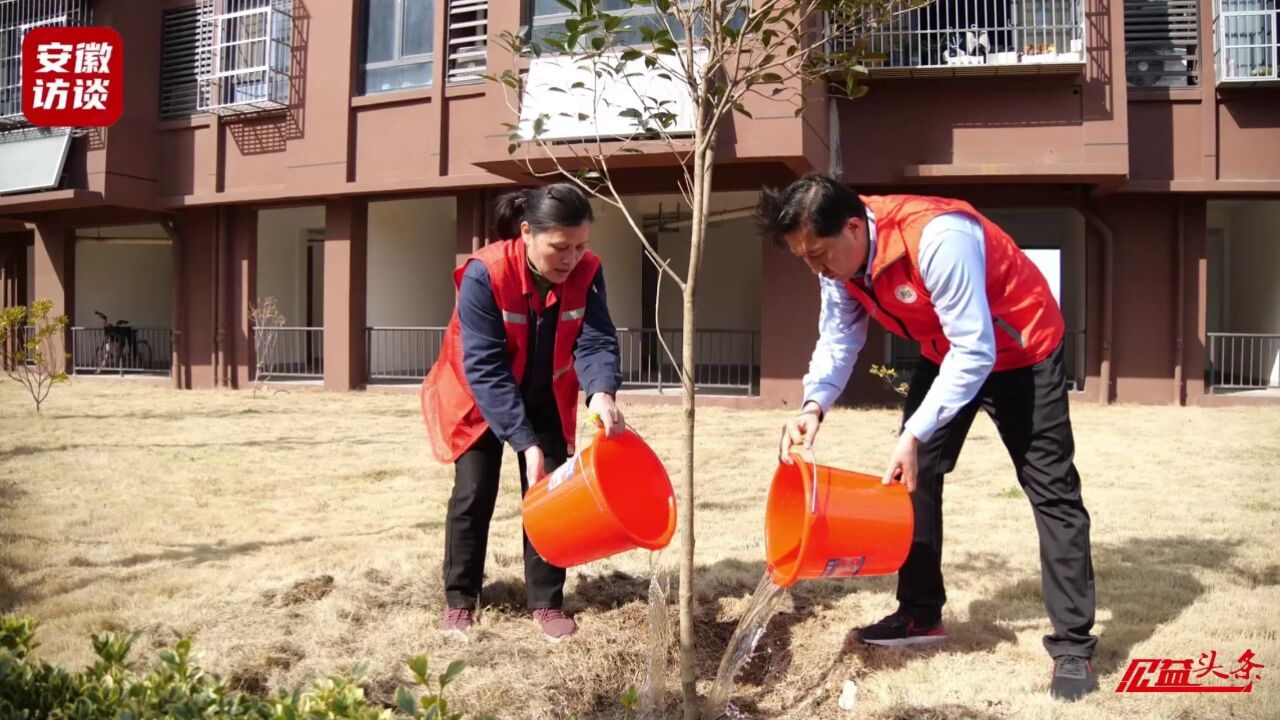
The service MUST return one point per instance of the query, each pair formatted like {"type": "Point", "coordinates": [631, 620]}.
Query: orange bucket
{"type": "Point", "coordinates": [611, 497]}
{"type": "Point", "coordinates": [823, 522]}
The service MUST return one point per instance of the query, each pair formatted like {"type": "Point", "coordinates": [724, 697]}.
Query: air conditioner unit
{"type": "Point", "coordinates": [1157, 67]}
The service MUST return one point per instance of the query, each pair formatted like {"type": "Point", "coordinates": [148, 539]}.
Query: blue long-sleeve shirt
{"type": "Point", "coordinates": [953, 267]}
{"type": "Point", "coordinates": [504, 404]}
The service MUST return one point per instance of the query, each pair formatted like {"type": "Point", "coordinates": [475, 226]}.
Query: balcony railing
{"type": "Point", "coordinates": [1243, 361]}
{"type": "Point", "coordinates": [951, 37]}
{"type": "Point", "coordinates": [120, 350]}
{"type": "Point", "coordinates": [17, 18]}
{"type": "Point", "coordinates": [724, 360]}
{"type": "Point", "coordinates": [296, 352]}
{"type": "Point", "coordinates": [402, 353]}
{"type": "Point", "coordinates": [246, 55]}
{"type": "Point", "coordinates": [903, 355]}
{"type": "Point", "coordinates": [1247, 40]}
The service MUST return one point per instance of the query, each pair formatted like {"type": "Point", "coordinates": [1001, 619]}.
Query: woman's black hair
{"type": "Point", "coordinates": [818, 202]}
{"type": "Point", "coordinates": [545, 208]}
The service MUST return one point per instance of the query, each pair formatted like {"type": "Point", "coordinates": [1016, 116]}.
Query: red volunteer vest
{"type": "Point", "coordinates": [1028, 323]}
{"type": "Point", "coordinates": [454, 422]}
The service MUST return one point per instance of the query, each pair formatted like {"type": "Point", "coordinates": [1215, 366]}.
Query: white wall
{"type": "Point", "coordinates": [282, 259]}
{"type": "Point", "coordinates": [412, 245]}
{"type": "Point", "coordinates": [1246, 298]}
{"type": "Point", "coordinates": [613, 240]}
{"type": "Point", "coordinates": [125, 273]}
{"type": "Point", "coordinates": [1053, 228]}
{"type": "Point", "coordinates": [1255, 268]}
{"type": "Point", "coordinates": [411, 260]}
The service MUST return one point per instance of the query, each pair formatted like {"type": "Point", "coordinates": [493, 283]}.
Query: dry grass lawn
{"type": "Point", "coordinates": [297, 534]}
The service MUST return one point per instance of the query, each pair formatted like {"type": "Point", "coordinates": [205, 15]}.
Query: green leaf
{"type": "Point", "coordinates": [455, 668]}
{"type": "Point", "coordinates": [405, 702]}
{"type": "Point", "coordinates": [418, 666]}
{"type": "Point", "coordinates": [568, 5]}
{"type": "Point", "coordinates": [860, 91]}
{"type": "Point", "coordinates": [771, 78]}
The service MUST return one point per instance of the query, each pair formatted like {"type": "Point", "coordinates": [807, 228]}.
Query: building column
{"type": "Point", "coordinates": [473, 217]}
{"type": "Point", "coordinates": [1195, 279]}
{"type": "Point", "coordinates": [55, 270]}
{"type": "Point", "coordinates": [243, 280]}
{"type": "Point", "coordinates": [346, 252]}
{"type": "Point", "coordinates": [195, 321]}
{"type": "Point", "coordinates": [13, 279]}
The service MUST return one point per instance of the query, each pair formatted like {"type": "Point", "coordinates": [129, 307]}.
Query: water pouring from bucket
{"type": "Point", "coordinates": [820, 523]}
{"type": "Point", "coordinates": [614, 495]}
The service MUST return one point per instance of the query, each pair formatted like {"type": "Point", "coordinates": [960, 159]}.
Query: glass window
{"type": "Point", "coordinates": [399, 44]}
{"type": "Point", "coordinates": [547, 18]}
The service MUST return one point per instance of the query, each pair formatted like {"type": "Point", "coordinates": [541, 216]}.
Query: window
{"type": "Point", "coordinates": [399, 44]}
{"type": "Point", "coordinates": [960, 33]}
{"type": "Point", "coordinates": [1248, 33]}
{"type": "Point", "coordinates": [1161, 43]}
{"type": "Point", "coordinates": [547, 18]}
{"type": "Point", "coordinates": [180, 63]}
{"type": "Point", "coordinates": [250, 58]}
{"type": "Point", "coordinates": [16, 20]}
{"type": "Point", "coordinates": [468, 40]}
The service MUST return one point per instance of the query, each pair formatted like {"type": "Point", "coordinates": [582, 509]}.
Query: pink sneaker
{"type": "Point", "coordinates": [554, 623]}
{"type": "Point", "coordinates": [457, 621]}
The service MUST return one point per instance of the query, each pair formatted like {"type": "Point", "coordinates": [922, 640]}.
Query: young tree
{"type": "Point", "coordinates": [722, 55]}
{"type": "Point", "coordinates": [29, 345]}
{"type": "Point", "coordinates": [267, 320]}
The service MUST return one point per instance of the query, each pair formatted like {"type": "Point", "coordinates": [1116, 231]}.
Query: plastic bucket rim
{"type": "Point", "coordinates": [602, 501]}
{"type": "Point", "coordinates": [810, 486]}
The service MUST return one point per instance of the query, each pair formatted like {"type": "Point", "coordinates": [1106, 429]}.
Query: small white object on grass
{"type": "Point", "coordinates": [849, 695]}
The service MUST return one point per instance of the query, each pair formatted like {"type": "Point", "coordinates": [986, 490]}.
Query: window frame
{"type": "Point", "coordinates": [400, 59]}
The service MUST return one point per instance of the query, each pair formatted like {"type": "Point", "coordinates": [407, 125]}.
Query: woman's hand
{"type": "Point", "coordinates": [604, 406]}
{"type": "Point", "coordinates": [534, 464]}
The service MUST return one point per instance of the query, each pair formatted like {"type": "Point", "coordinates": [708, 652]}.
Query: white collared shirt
{"type": "Point", "coordinates": [953, 267]}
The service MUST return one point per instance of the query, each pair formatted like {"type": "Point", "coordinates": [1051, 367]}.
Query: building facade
{"type": "Point", "coordinates": [340, 156]}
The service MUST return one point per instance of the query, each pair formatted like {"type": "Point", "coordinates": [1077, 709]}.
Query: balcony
{"type": "Point", "coordinates": [946, 38]}
{"type": "Point", "coordinates": [1247, 41]}
{"type": "Point", "coordinates": [17, 18]}
{"type": "Point", "coordinates": [246, 55]}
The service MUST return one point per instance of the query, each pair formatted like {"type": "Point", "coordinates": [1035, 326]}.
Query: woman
{"type": "Point", "coordinates": [531, 328]}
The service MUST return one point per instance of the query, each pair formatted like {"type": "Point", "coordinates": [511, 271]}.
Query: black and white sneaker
{"type": "Point", "coordinates": [1073, 678]}
{"type": "Point", "coordinates": [900, 630]}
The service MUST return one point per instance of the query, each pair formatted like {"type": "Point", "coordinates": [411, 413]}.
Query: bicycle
{"type": "Point", "coordinates": [121, 344]}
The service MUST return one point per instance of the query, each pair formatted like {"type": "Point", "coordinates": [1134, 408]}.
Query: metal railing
{"type": "Point", "coordinates": [17, 18]}
{"type": "Point", "coordinates": [1247, 40]}
{"type": "Point", "coordinates": [952, 36]}
{"type": "Point", "coordinates": [468, 41]}
{"type": "Point", "coordinates": [246, 55]}
{"type": "Point", "coordinates": [402, 353]}
{"type": "Point", "coordinates": [724, 360]}
{"type": "Point", "coordinates": [1244, 361]}
{"type": "Point", "coordinates": [298, 353]}
{"type": "Point", "coordinates": [903, 355]}
{"type": "Point", "coordinates": [121, 350]}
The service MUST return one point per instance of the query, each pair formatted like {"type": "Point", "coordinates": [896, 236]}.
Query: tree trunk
{"type": "Point", "coordinates": [704, 155]}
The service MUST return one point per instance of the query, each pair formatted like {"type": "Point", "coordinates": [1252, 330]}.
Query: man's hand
{"type": "Point", "coordinates": [604, 406]}
{"type": "Point", "coordinates": [800, 430]}
{"type": "Point", "coordinates": [534, 464]}
{"type": "Point", "coordinates": [903, 462]}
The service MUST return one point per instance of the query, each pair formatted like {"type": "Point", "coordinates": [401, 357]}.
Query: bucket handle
{"type": "Point", "coordinates": [813, 479]}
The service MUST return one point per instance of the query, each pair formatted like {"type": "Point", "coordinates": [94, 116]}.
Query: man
{"type": "Point", "coordinates": [938, 272]}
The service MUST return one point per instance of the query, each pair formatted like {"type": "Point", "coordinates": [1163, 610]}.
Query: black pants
{"type": "Point", "coordinates": [1029, 408]}
{"type": "Point", "coordinates": [475, 491]}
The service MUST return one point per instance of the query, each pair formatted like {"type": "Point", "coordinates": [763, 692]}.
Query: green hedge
{"type": "Point", "coordinates": [113, 688]}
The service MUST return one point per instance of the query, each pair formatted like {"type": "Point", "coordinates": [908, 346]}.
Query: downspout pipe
{"type": "Point", "coordinates": [1108, 295]}
{"type": "Point", "coordinates": [1180, 285]}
